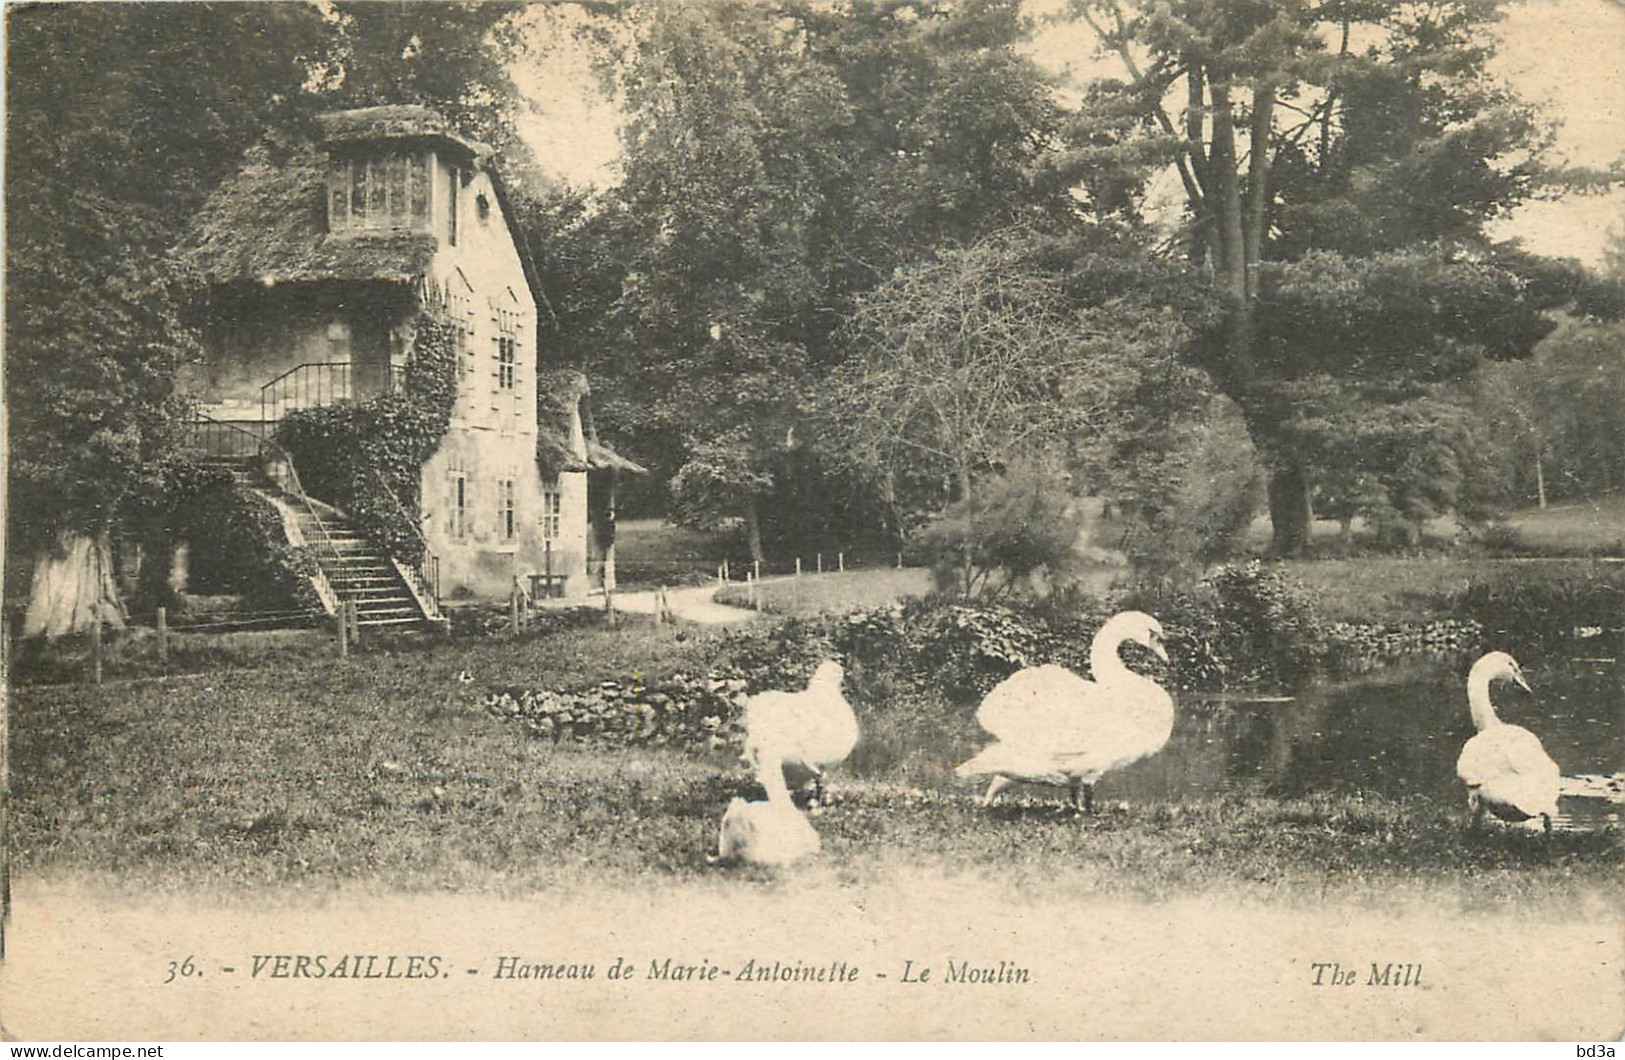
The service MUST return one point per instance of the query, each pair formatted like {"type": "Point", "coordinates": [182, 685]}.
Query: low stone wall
{"type": "Point", "coordinates": [693, 712]}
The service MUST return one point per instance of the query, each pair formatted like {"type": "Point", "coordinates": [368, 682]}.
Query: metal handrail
{"type": "Point", "coordinates": [329, 381]}
{"type": "Point", "coordinates": [261, 444]}
{"type": "Point", "coordinates": [428, 569]}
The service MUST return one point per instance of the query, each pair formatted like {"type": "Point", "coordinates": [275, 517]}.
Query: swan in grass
{"type": "Point", "coordinates": [1506, 770]}
{"type": "Point", "coordinates": [773, 832]}
{"type": "Point", "coordinates": [810, 730]}
{"type": "Point", "coordinates": [1050, 726]}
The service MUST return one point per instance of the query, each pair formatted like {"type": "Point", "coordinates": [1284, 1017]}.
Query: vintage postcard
{"type": "Point", "coordinates": [909, 520]}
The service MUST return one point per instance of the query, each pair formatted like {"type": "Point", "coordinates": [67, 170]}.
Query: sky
{"type": "Point", "coordinates": [1568, 55]}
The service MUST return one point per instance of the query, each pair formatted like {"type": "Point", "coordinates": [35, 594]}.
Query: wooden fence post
{"type": "Point", "coordinates": [798, 566]}
{"type": "Point", "coordinates": [820, 563]}
{"type": "Point", "coordinates": [355, 622]}
{"type": "Point", "coordinates": [344, 628]}
{"type": "Point", "coordinates": [163, 638]}
{"type": "Point", "coordinates": [899, 561]}
{"type": "Point", "coordinates": [96, 649]}
{"type": "Point", "coordinates": [840, 562]}
{"type": "Point", "coordinates": [513, 608]}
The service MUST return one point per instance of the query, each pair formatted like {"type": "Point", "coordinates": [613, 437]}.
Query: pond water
{"type": "Point", "coordinates": [1396, 733]}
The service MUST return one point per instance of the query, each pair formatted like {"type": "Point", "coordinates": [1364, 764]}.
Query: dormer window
{"type": "Point", "coordinates": [378, 192]}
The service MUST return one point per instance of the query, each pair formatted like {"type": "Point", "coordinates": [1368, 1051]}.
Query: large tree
{"type": "Point", "coordinates": [780, 160]}
{"type": "Point", "coordinates": [1339, 162]}
{"type": "Point", "coordinates": [120, 117]}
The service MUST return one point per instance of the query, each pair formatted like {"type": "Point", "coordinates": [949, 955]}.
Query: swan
{"type": "Point", "coordinates": [1505, 768]}
{"type": "Point", "coordinates": [773, 832]}
{"type": "Point", "coordinates": [811, 730]}
{"type": "Point", "coordinates": [1051, 726]}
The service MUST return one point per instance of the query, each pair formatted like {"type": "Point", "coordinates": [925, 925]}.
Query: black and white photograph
{"type": "Point", "coordinates": [790, 520]}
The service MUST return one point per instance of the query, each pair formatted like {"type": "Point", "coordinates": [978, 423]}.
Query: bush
{"type": "Point", "coordinates": [239, 546]}
{"type": "Point", "coordinates": [1246, 625]}
{"type": "Point", "coordinates": [1535, 608]}
{"type": "Point", "coordinates": [1018, 524]}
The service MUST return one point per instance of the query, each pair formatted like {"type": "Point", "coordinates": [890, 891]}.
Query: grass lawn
{"type": "Point", "coordinates": [1398, 589]}
{"type": "Point", "coordinates": [655, 552]}
{"type": "Point", "coordinates": [814, 593]}
{"type": "Point", "coordinates": [1596, 526]}
{"type": "Point", "coordinates": [385, 770]}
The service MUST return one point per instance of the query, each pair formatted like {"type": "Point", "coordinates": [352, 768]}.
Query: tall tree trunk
{"type": "Point", "coordinates": [73, 586]}
{"type": "Point", "coordinates": [1225, 195]}
{"type": "Point", "coordinates": [1289, 508]}
{"type": "Point", "coordinates": [1258, 185]}
{"type": "Point", "coordinates": [1540, 480]}
{"type": "Point", "coordinates": [753, 528]}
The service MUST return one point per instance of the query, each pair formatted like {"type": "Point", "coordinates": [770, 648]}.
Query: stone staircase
{"type": "Point", "coordinates": [359, 571]}
{"type": "Point", "coordinates": [354, 567]}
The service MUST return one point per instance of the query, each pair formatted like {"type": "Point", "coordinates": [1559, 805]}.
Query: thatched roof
{"type": "Point", "coordinates": [407, 121]}
{"type": "Point", "coordinates": [600, 456]}
{"type": "Point", "coordinates": [268, 224]}
{"type": "Point", "coordinates": [561, 395]}
{"type": "Point", "coordinates": [558, 398]}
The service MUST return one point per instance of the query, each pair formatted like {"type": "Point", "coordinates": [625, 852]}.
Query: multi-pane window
{"type": "Point", "coordinates": [457, 501]}
{"type": "Point", "coordinates": [379, 191]}
{"type": "Point", "coordinates": [552, 510]}
{"type": "Point", "coordinates": [505, 361]}
{"type": "Point", "coordinates": [454, 302]}
{"type": "Point", "coordinates": [506, 525]}
{"type": "Point", "coordinates": [507, 322]}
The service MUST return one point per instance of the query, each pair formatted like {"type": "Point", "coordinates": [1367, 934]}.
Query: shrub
{"type": "Point", "coordinates": [239, 546]}
{"type": "Point", "coordinates": [1538, 607]}
{"type": "Point", "coordinates": [1015, 526]}
{"type": "Point", "coordinates": [1246, 625]}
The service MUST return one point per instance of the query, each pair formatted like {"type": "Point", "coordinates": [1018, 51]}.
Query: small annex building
{"type": "Point", "coordinates": [312, 269]}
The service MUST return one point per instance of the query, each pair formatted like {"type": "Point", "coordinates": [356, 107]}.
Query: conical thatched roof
{"type": "Point", "coordinates": [268, 225]}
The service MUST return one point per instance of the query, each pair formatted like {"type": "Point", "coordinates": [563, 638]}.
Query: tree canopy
{"type": "Point", "coordinates": [1340, 163]}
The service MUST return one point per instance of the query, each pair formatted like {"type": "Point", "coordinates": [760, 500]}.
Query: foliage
{"type": "Point", "coordinates": [780, 160]}
{"type": "Point", "coordinates": [1021, 523]}
{"type": "Point", "coordinates": [1339, 233]}
{"type": "Point", "coordinates": [1241, 626]}
{"type": "Point", "coordinates": [970, 360]}
{"type": "Point", "coordinates": [366, 458]}
{"type": "Point", "coordinates": [238, 546]}
{"type": "Point", "coordinates": [1533, 609]}
{"type": "Point", "coordinates": [1181, 472]}
{"type": "Point", "coordinates": [1560, 413]}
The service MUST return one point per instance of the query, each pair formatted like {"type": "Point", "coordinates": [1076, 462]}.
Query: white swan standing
{"type": "Point", "coordinates": [1053, 727]}
{"type": "Point", "coordinates": [810, 730]}
{"type": "Point", "coordinates": [773, 832]}
{"type": "Point", "coordinates": [1506, 770]}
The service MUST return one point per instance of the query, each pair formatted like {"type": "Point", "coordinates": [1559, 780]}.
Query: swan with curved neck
{"type": "Point", "coordinates": [1506, 769]}
{"type": "Point", "coordinates": [773, 832]}
{"type": "Point", "coordinates": [1051, 726]}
